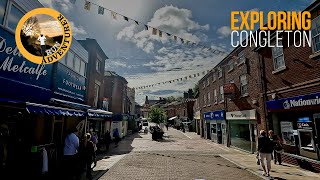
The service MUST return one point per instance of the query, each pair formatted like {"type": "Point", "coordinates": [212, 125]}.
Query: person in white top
{"type": "Point", "coordinates": [42, 40]}
{"type": "Point", "coordinates": [70, 150]}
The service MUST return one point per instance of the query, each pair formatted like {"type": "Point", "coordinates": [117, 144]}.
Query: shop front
{"type": "Point", "coordinates": [243, 129]}
{"type": "Point", "coordinates": [217, 124]}
{"type": "Point", "coordinates": [297, 121]}
{"type": "Point", "coordinates": [120, 122]}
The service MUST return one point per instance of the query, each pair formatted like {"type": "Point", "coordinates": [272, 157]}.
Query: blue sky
{"type": "Point", "coordinates": [143, 58]}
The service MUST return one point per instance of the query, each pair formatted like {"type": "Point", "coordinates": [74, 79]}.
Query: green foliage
{"type": "Point", "coordinates": [157, 115]}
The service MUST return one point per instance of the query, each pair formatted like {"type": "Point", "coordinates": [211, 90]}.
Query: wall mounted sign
{"type": "Point", "coordinates": [248, 114]}
{"type": "Point", "coordinates": [215, 115]}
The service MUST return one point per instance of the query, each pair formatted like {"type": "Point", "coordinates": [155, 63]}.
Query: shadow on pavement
{"type": "Point", "coordinates": [98, 174]}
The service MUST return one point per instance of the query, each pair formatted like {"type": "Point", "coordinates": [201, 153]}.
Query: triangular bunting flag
{"type": "Point", "coordinates": [87, 5]}
{"type": "Point", "coordinates": [198, 74]}
{"type": "Point", "coordinates": [180, 79]}
{"type": "Point", "coordinates": [182, 41]}
{"type": "Point", "coordinates": [154, 31]}
{"type": "Point", "coordinates": [203, 72]}
{"type": "Point", "coordinates": [175, 38]}
{"type": "Point", "coordinates": [137, 23]}
{"type": "Point", "coordinates": [160, 33]}
{"type": "Point", "coordinates": [187, 42]}
{"type": "Point", "coordinates": [208, 71]}
{"type": "Point", "coordinates": [194, 75]}
{"type": "Point", "coordinates": [168, 34]}
{"type": "Point", "coordinates": [146, 27]}
{"type": "Point", "coordinates": [186, 77]}
{"type": "Point", "coordinates": [190, 76]}
{"type": "Point", "coordinates": [125, 18]}
{"type": "Point", "coordinates": [113, 15]}
{"type": "Point", "coordinates": [73, 1]}
{"type": "Point", "coordinates": [100, 10]}
{"type": "Point", "coordinates": [172, 80]}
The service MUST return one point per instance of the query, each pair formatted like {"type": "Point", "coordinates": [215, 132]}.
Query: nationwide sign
{"type": "Point", "coordinates": [215, 115]}
{"type": "Point", "coordinates": [294, 102]}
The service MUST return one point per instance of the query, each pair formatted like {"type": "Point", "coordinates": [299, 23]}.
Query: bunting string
{"type": "Point", "coordinates": [172, 81]}
{"type": "Point", "coordinates": [155, 31]}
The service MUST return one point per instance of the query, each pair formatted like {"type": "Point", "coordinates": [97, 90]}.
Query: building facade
{"type": "Point", "coordinates": [132, 105]}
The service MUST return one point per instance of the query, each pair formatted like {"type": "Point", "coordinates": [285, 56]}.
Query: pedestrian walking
{"type": "Point", "coordinates": [116, 136]}
{"type": "Point", "coordinates": [265, 148]}
{"type": "Point", "coordinates": [70, 152]}
{"type": "Point", "coordinates": [87, 155]}
{"type": "Point", "coordinates": [94, 140]}
{"type": "Point", "coordinates": [107, 138]}
{"type": "Point", "coordinates": [167, 126]}
{"type": "Point", "coordinates": [277, 147]}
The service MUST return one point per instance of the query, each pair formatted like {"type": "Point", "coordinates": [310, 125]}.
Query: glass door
{"type": "Point", "coordinates": [316, 119]}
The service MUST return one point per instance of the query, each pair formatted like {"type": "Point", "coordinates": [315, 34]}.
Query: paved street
{"type": "Point", "coordinates": [177, 157]}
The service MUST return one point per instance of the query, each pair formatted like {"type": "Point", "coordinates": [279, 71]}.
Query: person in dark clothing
{"type": "Point", "coordinates": [277, 147]}
{"type": "Point", "coordinates": [167, 126]}
{"type": "Point", "coordinates": [265, 148]}
{"type": "Point", "coordinates": [116, 136]}
{"type": "Point", "coordinates": [87, 155]}
{"type": "Point", "coordinates": [107, 138]}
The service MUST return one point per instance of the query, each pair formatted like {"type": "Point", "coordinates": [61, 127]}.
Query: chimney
{"type": "Point", "coordinates": [185, 95]}
{"type": "Point", "coordinates": [190, 93]}
{"type": "Point", "coordinates": [146, 101]}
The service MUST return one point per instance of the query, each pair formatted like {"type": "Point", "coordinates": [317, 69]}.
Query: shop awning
{"type": "Point", "coordinates": [172, 118]}
{"type": "Point", "coordinates": [69, 104]}
{"type": "Point", "coordinates": [34, 108]}
{"type": "Point", "coordinates": [99, 113]}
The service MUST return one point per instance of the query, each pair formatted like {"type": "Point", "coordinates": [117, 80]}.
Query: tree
{"type": "Point", "coordinates": [31, 27]}
{"type": "Point", "coordinates": [157, 115]}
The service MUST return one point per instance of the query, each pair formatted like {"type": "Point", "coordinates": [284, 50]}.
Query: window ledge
{"type": "Point", "coordinates": [245, 95]}
{"type": "Point", "coordinates": [241, 63]}
{"type": "Point", "coordinates": [208, 105]}
{"type": "Point", "coordinates": [216, 102]}
{"type": "Point", "coordinates": [220, 77]}
{"type": "Point", "coordinates": [230, 70]}
{"type": "Point", "coordinates": [314, 55]}
{"type": "Point", "coordinates": [221, 102]}
{"type": "Point", "coordinates": [214, 81]}
{"type": "Point", "coordinates": [279, 70]}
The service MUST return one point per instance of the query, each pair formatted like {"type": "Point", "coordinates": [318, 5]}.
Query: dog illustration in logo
{"type": "Point", "coordinates": [286, 105]}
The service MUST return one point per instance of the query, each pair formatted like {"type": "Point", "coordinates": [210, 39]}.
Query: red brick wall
{"type": "Point", "coordinates": [114, 91]}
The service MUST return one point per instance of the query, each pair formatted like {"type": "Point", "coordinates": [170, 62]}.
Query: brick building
{"type": "Point", "coordinates": [291, 91]}
{"type": "Point", "coordinates": [115, 89]}
{"type": "Point", "coordinates": [95, 72]}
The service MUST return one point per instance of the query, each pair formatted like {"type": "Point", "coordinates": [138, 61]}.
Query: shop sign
{"type": "Point", "coordinates": [22, 77]}
{"type": "Point", "coordinates": [229, 90]}
{"type": "Point", "coordinates": [70, 83]}
{"type": "Point", "coordinates": [248, 114]}
{"type": "Point", "coordinates": [304, 125]}
{"type": "Point", "coordinates": [215, 115]}
{"type": "Point", "coordinates": [294, 102]}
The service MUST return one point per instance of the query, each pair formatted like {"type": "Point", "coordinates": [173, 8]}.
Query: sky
{"type": "Point", "coordinates": [143, 58]}
{"type": "Point", "coordinates": [49, 26]}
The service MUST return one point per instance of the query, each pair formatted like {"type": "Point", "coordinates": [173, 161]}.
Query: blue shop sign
{"type": "Point", "coordinates": [69, 83]}
{"type": "Point", "coordinates": [294, 102]}
{"type": "Point", "coordinates": [22, 79]}
{"type": "Point", "coordinates": [215, 115]}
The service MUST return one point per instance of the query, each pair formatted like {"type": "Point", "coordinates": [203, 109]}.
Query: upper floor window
{"type": "Point", "coordinates": [214, 77]}
{"type": "Point", "coordinates": [74, 62]}
{"type": "Point", "coordinates": [221, 94]}
{"type": "Point", "coordinates": [204, 84]}
{"type": "Point", "coordinates": [13, 17]}
{"type": "Point", "coordinates": [215, 97]}
{"type": "Point", "coordinates": [3, 5]}
{"type": "Point", "coordinates": [230, 65]}
{"type": "Point", "coordinates": [278, 59]}
{"type": "Point", "coordinates": [208, 81]}
{"type": "Point", "coordinates": [209, 98]}
{"type": "Point", "coordinates": [220, 73]}
{"type": "Point", "coordinates": [244, 84]}
{"type": "Point", "coordinates": [204, 100]}
{"type": "Point", "coordinates": [98, 65]}
{"type": "Point", "coordinates": [315, 29]}
{"type": "Point", "coordinates": [241, 57]}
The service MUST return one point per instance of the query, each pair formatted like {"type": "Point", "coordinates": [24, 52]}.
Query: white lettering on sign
{"type": "Point", "coordinates": [298, 103]}
{"type": "Point", "coordinates": [7, 64]}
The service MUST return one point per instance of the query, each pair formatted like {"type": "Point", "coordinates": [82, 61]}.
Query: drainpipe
{"type": "Point", "coordinates": [263, 90]}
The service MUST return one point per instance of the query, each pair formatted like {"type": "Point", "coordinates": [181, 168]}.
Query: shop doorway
{"type": "Point", "coordinates": [208, 131]}
{"type": "Point", "coordinates": [316, 119]}
{"type": "Point", "coordinates": [219, 133]}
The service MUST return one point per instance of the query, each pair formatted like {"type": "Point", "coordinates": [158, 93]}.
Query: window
{"type": "Point", "coordinates": [204, 84]}
{"type": "Point", "coordinates": [244, 85]}
{"type": "Point", "coordinates": [204, 100]}
{"type": "Point", "coordinates": [208, 82]}
{"type": "Point", "coordinates": [221, 94]}
{"type": "Point", "coordinates": [70, 58]}
{"type": "Point", "coordinates": [3, 5]}
{"type": "Point", "coordinates": [209, 98]}
{"type": "Point", "coordinates": [231, 81]}
{"type": "Point", "coordinates": [230, 65]}
{"type": "Point", "coordinates": [77, 64]}
{"type": "Point", "coordinates": [214, 77]}
{"type": "Point", "coordinates": [241, 57]}
{"type": "Point", "coordinates": [220, 73]}
{"type": "Point", "coordinates": [83, 68]}
{"type": "Point", "coordinates": [96, 94]}
{"type": "Point", "coordinates": [315, 29]}
{"type": "Point", "coordinates": [63, 60]}
{"type": "Point", "coordinates": [14, 16]}
{"type": "Point", "coordinates": [213, 128]}
{"type": "Point", "coordinates": [215, 97]}
{"type": "Point", "coordinates": [98, 64]}
{"type": "Point", "coordinates": [278, 59]}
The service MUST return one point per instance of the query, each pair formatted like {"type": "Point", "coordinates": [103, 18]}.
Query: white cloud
{"type": "Point", "coordinates": [254, 9]}
{"type": "Point", "coordinates": [224, 31]}
{"type": "Point", "coordinates": [77, 30]}
{"type": "Point", "coordinates": [169, 19]}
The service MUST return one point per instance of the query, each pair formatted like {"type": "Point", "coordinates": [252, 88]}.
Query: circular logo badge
{"type": "Point", "coordinates": [43, 36]}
